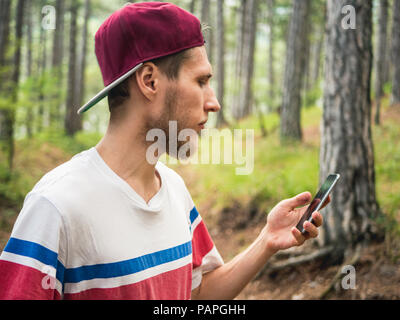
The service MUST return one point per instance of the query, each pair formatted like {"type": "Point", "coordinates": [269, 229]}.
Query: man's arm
{"type": "Point", "coordinates": [227, 281]}
{"type": "Point", "coordinates": [30, 264]}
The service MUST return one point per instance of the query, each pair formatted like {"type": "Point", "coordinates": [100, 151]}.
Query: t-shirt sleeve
{"type": "Point", "coordinates": [32, 262]}
{"type": "Point", "coordinates": [205, 255]}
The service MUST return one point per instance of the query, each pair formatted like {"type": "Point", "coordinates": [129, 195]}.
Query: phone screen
{"type": "Point", "coordinates": [318, 200]}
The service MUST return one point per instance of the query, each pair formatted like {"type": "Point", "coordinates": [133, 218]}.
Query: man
{"type": "Point", "coordinates": [110, 225]}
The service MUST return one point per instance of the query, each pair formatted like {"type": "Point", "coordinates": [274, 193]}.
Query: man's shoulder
{"type": "Point", "coordinates": [66, 177]}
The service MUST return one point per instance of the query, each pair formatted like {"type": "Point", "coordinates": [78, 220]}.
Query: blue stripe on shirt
{"type": "Point", "coordinates": [193, 214]}
{"type": "Point", "coordinates": [107, 270]}
{"type": "Point", "coordinates": [126, 267]}
{"type": "Point", "coordinates": [36, 251]}
{"type": "Point", "coordinates": [32, 250]}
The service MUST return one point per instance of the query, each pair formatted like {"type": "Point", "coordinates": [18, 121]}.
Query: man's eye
{"type": "Point", "coordinates": [202, 83]}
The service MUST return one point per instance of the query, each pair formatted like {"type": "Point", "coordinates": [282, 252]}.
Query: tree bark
{"type": "Point", "coordinates": [346, 141]}
{"type": "Point", "coordinates": [241, 18]}
{"type": "Point", "coordinates": [29, 112]}
{"type": "Point", "coordinates": [80, 88]}
{"type": "Point", "coordinates": [315, 73]}
{"type": "Point", "coordinates": [15, 79]}
{"type": "Point", "coordinates": [396, 53]}
{"type": "Point", "coordinates": [205, 18]}
{"type": "Point", "coordinates": [72, 121]}
{"type": "Point", "coordinates": [5, 75]}
{"type": "Point", "coordinates": [10, 87]}
{"type": "Point", "coordinates": [291, 102]}
{"type": "Point", "coordinates": [247, 67]}
{"type": "Point", "coordinates": [220, 62]}
{"type": "Point", "coordinates": [42, 66]}
{"type": "Point", "coordinates": [57, 59]}
{"type": "Point", "coordinates": [5, 8]}
{"type": "Point", "coordinates": [192, 6]}
{"type": "Point", "coordinates": [271, 61]}
{"type": "Point", "coordinates": [380, 56]}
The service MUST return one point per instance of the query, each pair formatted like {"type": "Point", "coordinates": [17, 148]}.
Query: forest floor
{"type": "Point", "coordinates": [377, 274]}
{"type": "Point", "coordinates": [377, 269]}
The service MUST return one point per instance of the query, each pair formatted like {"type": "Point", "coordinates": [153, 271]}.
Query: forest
{"type": "Point", "coordinates": [318, 82]}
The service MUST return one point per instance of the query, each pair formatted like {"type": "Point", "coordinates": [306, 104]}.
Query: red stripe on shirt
{"type": "Point", "coordinates": [19, 282]}
{"type": "Point", "coordinates": [201, 244]}
{"type": "Point", "coordinates": [171, 285]}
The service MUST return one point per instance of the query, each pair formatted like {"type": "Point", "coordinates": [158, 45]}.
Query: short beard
{"type": "Point", "coordinates": [169, 114]}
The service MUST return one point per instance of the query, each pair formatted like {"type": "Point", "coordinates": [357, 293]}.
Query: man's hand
{"type": "Point", "coordinates": [280, 231]}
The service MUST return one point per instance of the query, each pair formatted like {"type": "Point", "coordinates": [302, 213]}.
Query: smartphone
{"type": "Point", "coordinates": [318, 200]}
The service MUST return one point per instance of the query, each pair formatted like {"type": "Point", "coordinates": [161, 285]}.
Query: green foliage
{"type": "Point", "coordinates": [387, 88]}
{"type": "Point", "coordinates": [387, 159]}
{"type": "Point", "coordinates": [15, 185]}
{"type": "Point", "coordinates": [72, 145]}
{"type": "Point", "coordinates": [311, 97]}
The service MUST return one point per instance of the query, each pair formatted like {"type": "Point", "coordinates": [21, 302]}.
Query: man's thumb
{"type": "Point", "coordinates": [298, 200]}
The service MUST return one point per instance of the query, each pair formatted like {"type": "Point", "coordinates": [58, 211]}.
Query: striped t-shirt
{"type": "Point", "coordinates": [84, 233]}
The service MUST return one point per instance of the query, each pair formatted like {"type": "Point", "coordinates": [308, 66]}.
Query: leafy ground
{"type": "Point", "coordinates": [234, 207]}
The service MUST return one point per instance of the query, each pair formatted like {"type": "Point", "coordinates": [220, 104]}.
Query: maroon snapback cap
{"type": "Point", "coordinates": [137, 33]}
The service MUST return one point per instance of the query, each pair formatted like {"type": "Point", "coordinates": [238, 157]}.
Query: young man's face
{"type": "Point", "coordinates": [190, 98]}
{"type": "Point", "coordinates": [191, 93]}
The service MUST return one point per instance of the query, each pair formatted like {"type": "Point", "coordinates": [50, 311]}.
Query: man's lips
{"type": "Point", "coordinates": [201, 124]}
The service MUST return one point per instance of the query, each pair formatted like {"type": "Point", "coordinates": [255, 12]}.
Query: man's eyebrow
{"type": "Point", "coordinates": [205, 76]}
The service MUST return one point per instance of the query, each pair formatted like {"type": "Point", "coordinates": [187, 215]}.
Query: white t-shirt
{"type": "Point", "coordinates": [84, 233]}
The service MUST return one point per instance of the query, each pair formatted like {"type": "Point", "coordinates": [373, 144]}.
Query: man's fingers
{"type": "Point", "coordinates": [298, 236]}
{"type": "Point", "coordinates": [311, 229]}
{"type": "Point", "coordinates": [297, 201]}
{"type": "Point", "coordinates": [317, 218]}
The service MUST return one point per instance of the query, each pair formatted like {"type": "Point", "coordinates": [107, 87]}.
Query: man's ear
{"type": "Point", "coordinates": [147, 79]}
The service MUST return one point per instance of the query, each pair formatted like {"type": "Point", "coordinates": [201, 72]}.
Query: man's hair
{"type": "Point", "coordinates": [169, 65]}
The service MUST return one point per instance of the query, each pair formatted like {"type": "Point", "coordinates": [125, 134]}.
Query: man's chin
{"type": "Point", "coordinates": [185, 149]}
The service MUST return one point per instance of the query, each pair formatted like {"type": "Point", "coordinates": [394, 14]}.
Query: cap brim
{"type": "Point", "coordinates": [103, 93]}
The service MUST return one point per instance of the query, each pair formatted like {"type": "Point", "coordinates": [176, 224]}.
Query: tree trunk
{"type": "Point", "coordinates": [346, 142]}
{"type": "Point", "coordinates": [239, 57]}
{"type": "Point", "coordinates": [80, 88]}
{"type": "Point", "coordinates": [15, 79]}
{"type": "Point", "coordinates": [205, 18]}
{"type": "Point", "coordinates": [396, 53]}
{"type": "Point", "coordinates": [58, 55]}
{"type": "Point", "coordinates": [220, 61]}
{"type": "Point", "coordinates": [8, 114]}
{"type": "Point", "coordinates": [5, 76]}
{"type": "Point", "coordinates": [271, 61]}
{"type": "Point", "coordinates": [387, 75]}
{"type": "Point", "coordinates": [291, 102]}
{"type": "Point", "coordinates": [317, 58]}
{"type": "Point", "coordinates": [72, 121]}
{"type": "Point", "coordinates": [192, 6]}
{"type": "Point", "coordinates": [306, 63]}
{"type": "Point", "coordinates": [245, 95]}
{"type": "Point", "coordinates": [5, 9]}
{"type": "Point", "coordinates": [42, 65]}
{"type": "Point", "coordinates": [380, 56]}
{"type": "Point", "coordinates": [29, 112]}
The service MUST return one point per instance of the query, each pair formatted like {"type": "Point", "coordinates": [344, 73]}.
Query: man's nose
{"type": "Point", "coordinates": [211, 104]}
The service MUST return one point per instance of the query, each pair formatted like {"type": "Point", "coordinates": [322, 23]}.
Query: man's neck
{"type": "Point", "coordinates": [126, 156]}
